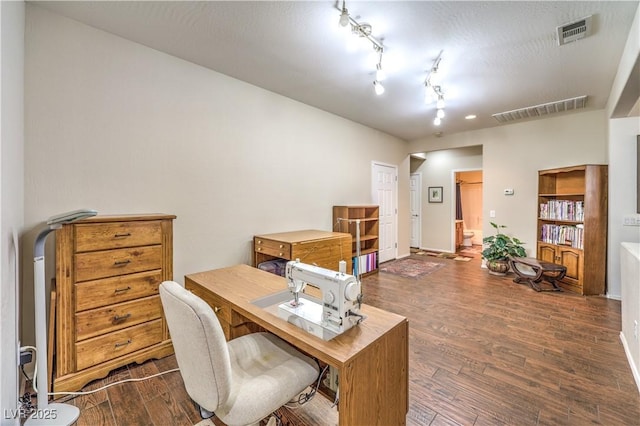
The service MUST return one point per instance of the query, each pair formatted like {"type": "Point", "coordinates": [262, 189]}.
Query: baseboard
{"type": "Point", "coordinates": [433, 250]}
{"type": "Point", "coordinates": [634, 369]}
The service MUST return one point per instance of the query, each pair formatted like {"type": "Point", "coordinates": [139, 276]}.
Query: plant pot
{"type": "Point", "coordinates": [498, 267]}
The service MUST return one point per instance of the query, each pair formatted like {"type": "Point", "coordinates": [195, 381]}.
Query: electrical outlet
{"type": "Point", "coordinates": [631, 220]}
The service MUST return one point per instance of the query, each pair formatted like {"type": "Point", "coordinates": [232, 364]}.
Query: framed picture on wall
{"type": "Point", "coordinates": [435, 194]}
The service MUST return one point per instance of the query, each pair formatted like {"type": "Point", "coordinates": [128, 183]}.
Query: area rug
{"type": "Point", "coordinates": [410, 268]}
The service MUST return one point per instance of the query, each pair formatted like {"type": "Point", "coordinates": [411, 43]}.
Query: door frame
{"type": "Point", "coordinates": [395, 200]}
{"type": "Point", "coordinates": [453, 204]}
{"type": "Point", "coordinates": [419, 174]}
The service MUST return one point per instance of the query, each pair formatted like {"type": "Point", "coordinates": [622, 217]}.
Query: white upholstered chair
{"type": "Point", "coordinates": [241, 381]}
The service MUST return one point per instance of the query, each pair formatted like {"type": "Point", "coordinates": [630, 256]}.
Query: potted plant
{"type": "Point", "coordinates": [499, 248]}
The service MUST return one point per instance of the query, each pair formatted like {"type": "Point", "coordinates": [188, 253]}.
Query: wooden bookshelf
{"type": "Point", "coordinates": [365, 218]}
{"type": "Point", "coordinates": [572, 225]}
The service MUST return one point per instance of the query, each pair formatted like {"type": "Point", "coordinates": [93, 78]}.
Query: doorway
{"type": "Point", "coordinates": [468, 186]}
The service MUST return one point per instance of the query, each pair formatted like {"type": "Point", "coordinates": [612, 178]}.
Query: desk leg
{"type": "Point", "coordinates": [374, 387]}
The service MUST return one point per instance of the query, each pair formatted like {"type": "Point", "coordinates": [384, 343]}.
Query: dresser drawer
{"type": "Point", "coordinates": [109, 263]}
{"type": "Point", "coordinates": [100, 349]}
{"type": "Point", "coordinates": [115, 317]}
{"type": "Point", "coordinates": [92, 237]}
{"type": "Point", "coordinates": [272, 248]}
{"type": "Point", "coordinates": [108, 291]}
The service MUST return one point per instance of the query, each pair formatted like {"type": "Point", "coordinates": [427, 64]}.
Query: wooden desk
{"type": "Point", "coordinates": [371, 359]}
{"type": "Point", "coordinates": [321, 248]}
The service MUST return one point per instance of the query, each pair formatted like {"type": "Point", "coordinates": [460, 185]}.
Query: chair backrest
{"type": "Point", "coordinates": [200, 346]}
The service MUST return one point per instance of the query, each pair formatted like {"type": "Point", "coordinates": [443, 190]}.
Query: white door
{"type": "Point", "coordinates": [384, 194]}
{"type": "Point", "coordinates": [415, 202]}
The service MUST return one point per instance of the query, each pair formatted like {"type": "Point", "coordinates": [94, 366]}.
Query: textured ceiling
{"type": "Point", "coordinates": [497, 56]}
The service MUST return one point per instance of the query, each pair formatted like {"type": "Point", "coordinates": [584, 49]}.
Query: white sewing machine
{"type": "Point", "coordinates": [337, 312]}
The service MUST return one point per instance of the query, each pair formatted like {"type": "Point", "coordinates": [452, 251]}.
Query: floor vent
{"type": "Point", "coordinates": [541, 110]}
{"type": "Point", "coordinates": [574, 31]}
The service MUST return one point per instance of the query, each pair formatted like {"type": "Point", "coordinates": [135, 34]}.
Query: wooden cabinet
{"type": "Point", "coordinates": [364, 219]}
{"type": "Point", "coordinates": [572, 225]}
{"type": "Point", "coordinates": [459, 233]}
{"type": "Point", "coordinates": [108, 311]}
{"type": "Point", "coordinates": [321, 248]}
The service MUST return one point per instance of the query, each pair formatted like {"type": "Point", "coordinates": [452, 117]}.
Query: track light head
{"type": "Point", "coordinates": [378, 87]}
{"type": "Point", "coordinates": [440, 113]}
{"type": "Point", "coordinates": [344, 16]}
{"type": "Point", "coordinates": [436, 121]}
{"type": "Point", "coordinates": [440, 102]}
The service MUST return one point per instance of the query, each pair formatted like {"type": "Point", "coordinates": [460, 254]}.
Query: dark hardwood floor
{"type": "Point", "coordinates": [483, 351]}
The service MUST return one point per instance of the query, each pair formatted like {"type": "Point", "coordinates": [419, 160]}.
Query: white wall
{"type": "Point", "coordinates": [11, 196]}
{"type": "Point", "coordinates": [115, 126]}
{"type": "Point", "coordinates": [511, 157]}
{"type": "Point", "coordinates": [437, 218]}
{"type": "Point", "coordinates": [623, 167]}
{"type": "Point", "coordinates": [622, 194]}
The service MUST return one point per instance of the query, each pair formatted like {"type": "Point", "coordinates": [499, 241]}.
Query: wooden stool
{"type": "Point", "coordinates": [537, 271]}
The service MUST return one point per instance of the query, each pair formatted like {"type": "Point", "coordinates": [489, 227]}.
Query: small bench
{"type": "Point", "coordinates": [533, 271]}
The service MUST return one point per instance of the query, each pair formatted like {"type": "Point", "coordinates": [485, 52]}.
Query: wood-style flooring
{"type": "Point", "coordinates": [482, 351]}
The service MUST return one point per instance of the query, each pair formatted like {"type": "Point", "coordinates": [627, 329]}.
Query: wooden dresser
{"type": "Point", "coordinates": [108, 311]}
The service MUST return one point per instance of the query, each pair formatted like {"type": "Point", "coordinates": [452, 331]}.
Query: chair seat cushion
{"type": "Point", "coordinates": [266, 373]}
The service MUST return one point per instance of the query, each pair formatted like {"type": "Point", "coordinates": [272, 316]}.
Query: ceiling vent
{"type": "Point", "coordinates": [541, 110]}
{"type": "Point", "coordinates": [574, 31]}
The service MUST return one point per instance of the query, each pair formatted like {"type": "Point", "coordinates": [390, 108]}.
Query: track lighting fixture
{"type": "Point", "coordinates": [433, 90]}
{"type": "Point", "coordinates": [363, 30]}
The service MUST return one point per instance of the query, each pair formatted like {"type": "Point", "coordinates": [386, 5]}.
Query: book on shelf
{"type": "Point", "coordinates": [562, 210]}
{"type": "Point", "coordinates": [365, 263]}
{"type": "Point", "coordinates": [563, 235]}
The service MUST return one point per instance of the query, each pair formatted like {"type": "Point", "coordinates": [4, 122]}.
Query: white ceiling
{"type": "Point", "coordinates": [497, 56]}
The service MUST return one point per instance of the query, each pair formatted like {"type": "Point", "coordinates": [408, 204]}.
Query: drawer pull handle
{"type": "Point", "coordinates": [122, 290]}
{"type": "Point", "coordinates": [122, 262]}
{"type": "Point", "coordinates": [259, 248]}
{"type": "Point", "coordinates": [281, 246]}
{"type": "Point", "coordinates": [119, 318]}
{"type": "Point", "coordinates": [217, 309]}
{"type": "Point", "coordinates": [119, 345]}
{"type": "Point", "coordinates": [259, 241]}
{"type": "Point", "coordinates": [126, 234]}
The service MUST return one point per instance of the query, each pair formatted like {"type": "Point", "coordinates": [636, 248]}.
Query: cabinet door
{"type": "Point", "coordinates": [572, 259]}
{"type": "Point", "coordinates": [547, 253]}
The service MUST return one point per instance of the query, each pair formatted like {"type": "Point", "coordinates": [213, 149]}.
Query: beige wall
{"type": "Point", "coordinates": [11, 196]}
{"type": "Point", "coordinates": [121, 128]}
{"type": "Point", "coordinates": [511, 157]}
